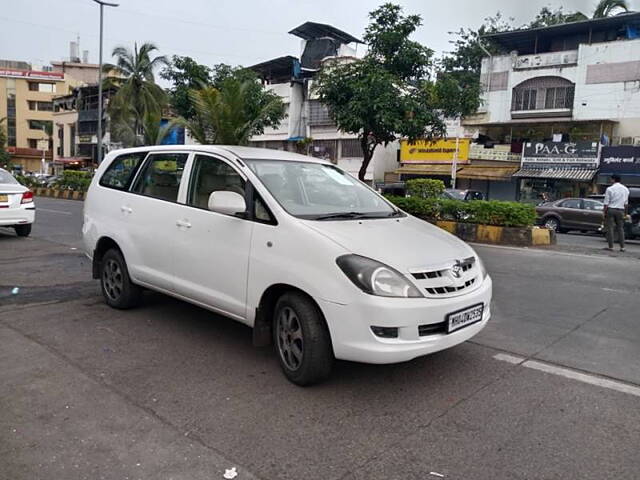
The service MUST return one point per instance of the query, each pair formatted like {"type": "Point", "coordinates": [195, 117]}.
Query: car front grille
{"type": "Point", "coordinates": [442, 281]}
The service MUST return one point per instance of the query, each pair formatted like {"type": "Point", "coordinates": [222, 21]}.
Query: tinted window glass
{"type": "Point", "coordinates": [593, 205]}
{"type": "Point", "coordinates": [161, 176]}
{"type": "Point", "coordinates": [6, 177]}
{"type": "Point", "coordinates": [573, 203]}
{"type": "Point", "coordinates": [122, 170]}
{"type": "Point", "coordinates": [210, 175]}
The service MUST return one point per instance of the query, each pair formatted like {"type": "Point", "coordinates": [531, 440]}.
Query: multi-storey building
{"type": "Point", "coordinates": [308, 126]}
{"type": "Point", "coordinates": [556, 95]}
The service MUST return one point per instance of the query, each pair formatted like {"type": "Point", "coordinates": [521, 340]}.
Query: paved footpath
{"type": "Point", "coordinates": [549, 390]}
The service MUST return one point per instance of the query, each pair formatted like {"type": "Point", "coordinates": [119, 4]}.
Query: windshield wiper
{"type": "Point", "coordinates": [341, 215]}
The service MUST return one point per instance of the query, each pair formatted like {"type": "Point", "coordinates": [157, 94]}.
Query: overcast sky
{"type": "Point", "coordinates": [231, 31]}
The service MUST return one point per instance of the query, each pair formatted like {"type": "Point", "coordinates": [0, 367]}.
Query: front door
{"type": "Point", "coordinates": [571, 213]}
{"type": "Point", "coordinates": [211, 255]}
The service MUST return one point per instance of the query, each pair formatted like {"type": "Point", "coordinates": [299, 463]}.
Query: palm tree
{"type": "Point", "coordinates": [607, 8]}
{"type": "Point", "coordinates": [229, 115]}
{"type": "Point", "coordinates": [137, 92]}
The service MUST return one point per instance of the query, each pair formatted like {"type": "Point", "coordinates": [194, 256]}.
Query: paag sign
{"type": "Point", "coordinates": [623, 159]}
{"type": "Point", "coordinates": [438, 151]}
{"type": "Point", "coordinates": [582, 154]}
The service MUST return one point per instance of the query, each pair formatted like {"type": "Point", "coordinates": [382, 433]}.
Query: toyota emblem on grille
{"type": "Point", "coordinates": [456, 270]}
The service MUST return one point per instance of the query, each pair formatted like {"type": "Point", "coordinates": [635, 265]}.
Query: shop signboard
{"type": "Point", "coordinates": [31, 74]}
{"type": "Point", "coordinates": [624, 159]}
{"type": "Point", "coordinates": [437, 151]}
{"type": "Point", "coordinates": [560, 154]}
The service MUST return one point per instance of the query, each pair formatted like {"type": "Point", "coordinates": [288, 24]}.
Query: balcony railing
{"type": "Point", "coordinates": [546, 60]}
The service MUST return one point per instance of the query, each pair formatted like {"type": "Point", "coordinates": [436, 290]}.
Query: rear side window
{"type": "Point", "coordinates": [573, 203]}
{"type": "Point", "coordinates": [122, 170]}
{"type": "Point", "coordinates": [161, 176]}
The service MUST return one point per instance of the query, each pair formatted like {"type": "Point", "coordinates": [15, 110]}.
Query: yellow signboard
{"type": "Point", "coordinates": [438, 151]}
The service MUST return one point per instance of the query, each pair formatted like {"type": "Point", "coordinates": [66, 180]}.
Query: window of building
{"type": "Point", "coordinates": [351, 148]}
{"type": "Point", "coordinates": [210, 175]}
{"type": "Point", "coordinates": [33, 142]}
{"type": "Point", "coordinates": [40, 106]}
{"type": "Point", "coordinates": [525, 99]}
{"type": "Point", "coordinates": [11, 111]}
{"type": "Point", "coordinates": [543, 93]}
{"type": "Point", "coordinates": [122, 170]}
{"type": "Point", "coordinates": [72, 139]}
{"type": "Point", "coordinates": [39, 124]}
{"type": "Point", "coordinates": [42, 87]}
{"type": "Point", "coordinates": [161, 176]}
{"type": "Point", "coordinates": [60, 149]}
{"type": "Point", "coordinates": [327, 149]}
{"type": "Point", "coordinates": [319, 114]}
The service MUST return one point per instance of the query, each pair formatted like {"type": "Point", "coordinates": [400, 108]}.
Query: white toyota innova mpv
{"type": "Point", "coordinates": [311, 258]}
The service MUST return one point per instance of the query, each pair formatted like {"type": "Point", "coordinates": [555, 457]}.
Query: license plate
{"type": "Point", "coordinates": [4, 198]}
{"type": "Point", "coordinates": [464, 318]}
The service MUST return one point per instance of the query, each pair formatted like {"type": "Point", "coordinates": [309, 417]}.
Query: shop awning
{"type": "Point", "coordinates": [481, 172]}
{"type": "Point", "coordinates": [444, 169]}
{"type": "Point", "coordinates": [577, 174]}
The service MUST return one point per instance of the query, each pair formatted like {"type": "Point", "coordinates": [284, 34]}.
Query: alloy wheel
{"type": "Point", "coordinates": [112, 279]}
{"type": "Point", "coordinates": [551, 224]}
{"type": "Point", "coordinates": [290, 339]}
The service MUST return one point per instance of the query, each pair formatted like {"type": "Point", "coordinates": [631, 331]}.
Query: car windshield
{"type": "Point", "coordinates": [319, 191]}
{"type": "Point", "coordinates": [6, 177]}
{"type": "Point", "coordinates": [455, 194]}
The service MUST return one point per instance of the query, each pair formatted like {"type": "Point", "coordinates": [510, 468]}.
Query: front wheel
{"type": "Point", "coordinates": [302, 340]}
{"type": "Point", "coordinates": [23, 230]}
{"type": "Point", "coordinates": [118, 290]}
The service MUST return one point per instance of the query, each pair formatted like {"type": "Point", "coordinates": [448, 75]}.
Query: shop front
{"type": "Point", "coordinates": [623, 160]}
{"type": "Point", "coordinates": [553, 170]}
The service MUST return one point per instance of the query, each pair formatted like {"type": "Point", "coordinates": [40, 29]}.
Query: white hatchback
{"type": "Point", "coordinates": [314, 260]}
{"type": "Point", "coordinates": [17, 209]}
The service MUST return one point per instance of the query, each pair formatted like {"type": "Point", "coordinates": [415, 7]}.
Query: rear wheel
{"type": "Point", "coordinates": [552, 223]}
{"type": "Point", "coordinates": [117, 288]}
{"type": "Point", "coordinates": [23, 230]}
{"type": "Point", "coordinates": [302, 340]}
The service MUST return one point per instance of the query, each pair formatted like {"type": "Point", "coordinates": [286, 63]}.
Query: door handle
{"type": "Point", "coordinates": [125, 209]}
{"type": "Point", "coordinates": [183, 224]}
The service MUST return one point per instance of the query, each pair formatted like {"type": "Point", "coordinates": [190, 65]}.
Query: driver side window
{"type": "Point", "coordinates": [209, 175]}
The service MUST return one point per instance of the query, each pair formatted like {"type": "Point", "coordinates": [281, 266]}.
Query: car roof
{"type": "Point", "coordinates": [245, 153]}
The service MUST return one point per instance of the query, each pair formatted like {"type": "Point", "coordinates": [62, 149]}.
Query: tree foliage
{"type": "Point", "coordinates": [607, 8]}
{"type": "Point", "coordinates": [231, 113]}
{"type": "Point", "coordinates": [138, 95]}
{"type": "Point", "coordinates": [185, 74]}
{"type": "Point", "coordinates": [548, 17]}
{"type": "Point", "coordinates": [389, 94]}
{"type": "Point", "coordinates": [4, 155]}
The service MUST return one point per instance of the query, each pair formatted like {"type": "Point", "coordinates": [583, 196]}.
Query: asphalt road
{"type": "Point", "coordinates": [549, 390]}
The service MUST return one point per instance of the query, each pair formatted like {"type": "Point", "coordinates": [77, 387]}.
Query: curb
{"type": "Point", "coordinates": [54, 193]}
{"type": "Point", "coordinates": [516, 236]}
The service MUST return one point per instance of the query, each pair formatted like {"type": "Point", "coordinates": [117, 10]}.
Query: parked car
{"type": "Point", "coordinates": [17, 209]}
{"type": "Point", "coordinates": [567, 214]}
{"type": "Point", "coordinates": [466, 195]}
{"type": "Point", "coordinates": [250, 234]}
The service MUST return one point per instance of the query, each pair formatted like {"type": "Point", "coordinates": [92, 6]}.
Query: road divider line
{"type": "Point", "coordinates": [569, 373]}
{"type": "Point", "coordinates": [53, 211]}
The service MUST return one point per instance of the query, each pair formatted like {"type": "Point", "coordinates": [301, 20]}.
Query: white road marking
{"type": "Point", "coordinates": [53, 211]}
{"type": "Point", "coordinates": [503, 357]}
{"type": "Point", "coordinates": [571, 374]}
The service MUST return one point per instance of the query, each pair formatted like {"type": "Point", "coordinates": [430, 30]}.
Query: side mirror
{"type": "Point", "coordinates": [229, 203]}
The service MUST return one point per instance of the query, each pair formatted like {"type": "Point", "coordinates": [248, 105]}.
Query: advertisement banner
{"type": "Point", "coordinates": [6, 72]}
{"type": "Point", "coordinates": [566, 154]}
{"type": "Point", "coordinates": [624, 159]}
{"type": "Point", "coordinates": [438, 151]}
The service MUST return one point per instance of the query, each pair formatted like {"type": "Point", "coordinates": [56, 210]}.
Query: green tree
{"type": "Point", "coordinates": [137, 92]}
{"type": "Point", "coordinates": [389, 94]}
{"type": "Point", "coordinates": [548, 17]}
{"type": "Point", "coordinates": [233, 112]}
{"type": "Point", "coordinates": [607, 8]}
{"type": "Point", "coordinates": [185, 74]}
{"type": "Point", "coordinates": [4, 155]}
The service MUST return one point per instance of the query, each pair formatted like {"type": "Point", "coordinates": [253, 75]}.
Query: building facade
{"type": "Point", "coordinates": [308, 127]}
{"type": "Point", "coordinates": [565, 89]}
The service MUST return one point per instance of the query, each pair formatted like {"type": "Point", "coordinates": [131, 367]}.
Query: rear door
{"type": "Point", "coordinates": [593, 214]}
{"type": "Point", "coordinates": [211, 255]}
{"type": "Point", "coordinates": [149, 213]}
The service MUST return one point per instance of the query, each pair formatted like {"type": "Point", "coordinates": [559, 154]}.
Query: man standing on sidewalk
{"type": "Point", "coordinates": [616, 199]}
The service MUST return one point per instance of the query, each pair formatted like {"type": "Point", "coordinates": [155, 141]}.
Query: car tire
{"type": "Point", "coordinates": [302, 340]}
{"type": "Point", "coordinates": [552, 223]}
{"type": "Point", "coordinates": [23, 230]}
{"type": "Point", "coordinates": [116, 285]}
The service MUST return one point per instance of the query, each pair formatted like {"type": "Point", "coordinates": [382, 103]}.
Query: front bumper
{"type": "Point", "coordinates": [16, 216]}
{"type": "Point", "coordinates": [352, 337]}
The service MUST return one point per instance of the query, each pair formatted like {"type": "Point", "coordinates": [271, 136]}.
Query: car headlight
{"type": "Point", "coordinates": [483, 269]}
{"type": "Point", "coordinates": [376, 278]}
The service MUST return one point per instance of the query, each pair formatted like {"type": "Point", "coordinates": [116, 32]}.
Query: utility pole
{"type": "Point", "coordinates": [102, 5]}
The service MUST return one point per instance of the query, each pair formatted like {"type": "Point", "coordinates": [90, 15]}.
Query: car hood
{"type": "Point", "coordinates": [12, 188]}
{"type": "Point", "coordinates": [402, 243]}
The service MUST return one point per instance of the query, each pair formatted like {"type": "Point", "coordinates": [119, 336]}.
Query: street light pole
{"type": "Point", "coordinates": [102, 5]}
